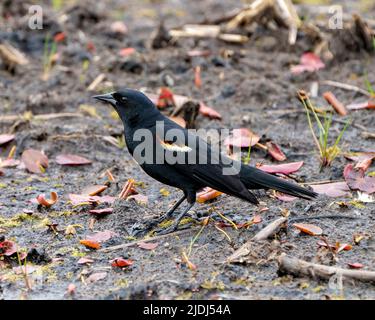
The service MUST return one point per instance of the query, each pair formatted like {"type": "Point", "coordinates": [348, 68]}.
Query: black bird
{"type": "Point", "coordinates": [139, 114]}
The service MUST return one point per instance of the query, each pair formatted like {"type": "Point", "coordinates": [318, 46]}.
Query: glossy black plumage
{"type": "Point", "coordinates": [138, 112]}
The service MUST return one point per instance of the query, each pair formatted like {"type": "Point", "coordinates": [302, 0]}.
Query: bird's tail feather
{"type": "Point", "coordinates": [255, 178]}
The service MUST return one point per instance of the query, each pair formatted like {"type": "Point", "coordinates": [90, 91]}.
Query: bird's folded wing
{"type": "Point", "coordinates": [212, 176]}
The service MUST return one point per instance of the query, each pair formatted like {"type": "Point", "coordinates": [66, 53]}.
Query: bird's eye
{"type": "Point", "coordinates": [123, 99]}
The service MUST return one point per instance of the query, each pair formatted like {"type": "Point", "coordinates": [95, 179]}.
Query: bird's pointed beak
{"type": "Point", "coordinates": [108, 97]}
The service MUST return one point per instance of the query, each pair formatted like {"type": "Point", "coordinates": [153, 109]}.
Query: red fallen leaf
{"type": "Point", "coordinates": [101, 236]}
{"type": "Point", "coordinates": [96, 277]}
{"type": "Point", "coordinates": [121, 262]}
{"type": "Point", "coordinates": [80, 199]}
{"type": "Point", "coordinates": [59, 37]}
{"type": "Point", "coordinates": [124, 52]}
{"type": "Point", "coordinates": [363, 159]}
{"type": "Point", "coordinates": [71, 289]}
{"type": "Point", "coordinates": [90, 46]}
{"type": "Point", "coordinates": [5, 138]}
{"type": "Point", "coordinates": [93, 190]}
{"type": "Point", "coordinates": [335, 189]}
{"type": "Point", "coordinates": [257, 219]}
{"type": "Point", "coordinates": [100, 212]}
{"type": "Point", "coordinates": [179, 120]}
{"type": "Point", "coordinates": [208, 111]}
{"type": "Point", "coordinates": [344, 246]}
{"type": "Point", "coordinates": [355, 265]}
{"type": "Point", "coordinates": [285, 168]}
{"type": "Point", "coordinates": [71, 160]}
{"type": "Point", "coordinates": [197, 77]}
{"type": "Point", "coordinates": [165, 98]}
{"type": "Point", "coordinates": [148, 245]}
{"type": "Point", "coordinates": [139, 198]}
{"type": "Point", "coordinates": [242, 138]}
{"type": "Point", "coordinates": [309, 62]}
{"type": "Point", "coordinates": [284, 197]}
{"type": "Point", "coordinates": [47, 202]}
{"type": "Point", "coordinates": [119, 27]}
{"type": "Point", "coordinates": [207, 194]}
{"type": "Point", "coordinates": [90, 244]}
{"type": "Point", "coordinates": [34, 160]}
{"type": "Point", "coordinates": [1, 172]}
{"type": "Point", "coordinates": [357, 180]}
{"type": "Point", "coordinates": [85, 261]}
{"type": "Point", "coordinates": [274, 151]}
{"type": "Point", "coordinates": [9, 163]}
{"type": "Point", "coordinates": [309, 229]}
{"type": "Point", "coordinates": [198, 53]}
{"type": "Point", "coordinates": [7, 248]}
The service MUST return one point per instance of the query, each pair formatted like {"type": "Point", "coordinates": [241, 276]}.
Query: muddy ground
{"type": "Point", "coordinates": [250, 89]}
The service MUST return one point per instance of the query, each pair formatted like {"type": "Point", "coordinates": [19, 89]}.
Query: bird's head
{"type": "Point", "coordinates": [131, 105]}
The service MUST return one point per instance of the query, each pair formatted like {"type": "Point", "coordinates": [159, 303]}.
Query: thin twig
{"type": "Point", "coordinates": [129, 244]}
{"type": "Point", "coordinates": [322, 182]}
{"type": "Point", "coordinates": [47, 116]}
{"type": "Point", "coordinates": [345, 86]}
{"type": "Point", "coordinates": [298, 267]}
{"type": "Point", "coordinates": [263, 234]}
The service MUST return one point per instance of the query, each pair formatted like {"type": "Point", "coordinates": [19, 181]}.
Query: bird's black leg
{"type": "Point", "coordinates": [175, 224]}
{"type": "Point", "coordinates": [171, 210]}
{"type": "Point", "coordinates": [162, 218]}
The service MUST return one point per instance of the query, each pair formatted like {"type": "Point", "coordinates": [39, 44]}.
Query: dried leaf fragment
{"type": "Point", "coordinates": [207, 194]}
{"type": "Point", "coordinates": [71, 160]}
{"type": "Point", "coordinates": [121, 262]}
{"type": "Point", "coordinates": [309, 229]}
{"type": "Point", "coordinates": [35, 161]}
{"type": "Point", "coordinates": [47, 202]}
{"type": "Point", "coordinates": [90, 244]}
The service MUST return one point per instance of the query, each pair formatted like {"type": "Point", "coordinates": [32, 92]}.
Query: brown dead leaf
{"type": "Point", "coordinates": [85, 260]}
{"type": "Point", "coordinates": [285, 168]}
{"type": "Point", "coordinates": [34, 160]}
{"type": "Point", "coordinates": [208, 111]}
{"type": "Point", "coordinates": [99, 212]}
{"type": "Point", "coordinates": [309, 229]}
{"type": "Point", "coordinates": [71, 160]}
{"type": "Point", "coordinates": [242, 138]}
{"type": "Point", "coordinates": [148, 245]}
{"type": "Point", "coordinates": [334, 189]}
{"type": "Point", "coordinates": [47, 202]}
{"type": "Point", "coordinates": [93, 190]}
{"type": "Point", "coordinates": [101, 236]}
{"type": "Point", "coordinates": [356, 179]}
{"type": "Point", "coordinates": [275, 151]}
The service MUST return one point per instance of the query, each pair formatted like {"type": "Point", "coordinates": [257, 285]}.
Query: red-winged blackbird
{"type": "Point", "coordinates": [140, 116]}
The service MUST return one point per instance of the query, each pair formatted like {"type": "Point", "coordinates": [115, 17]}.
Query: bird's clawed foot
{"type": "Point", "coordinates": [137, 231]}
{"type": "Point", "coordinates": [170, 229]}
